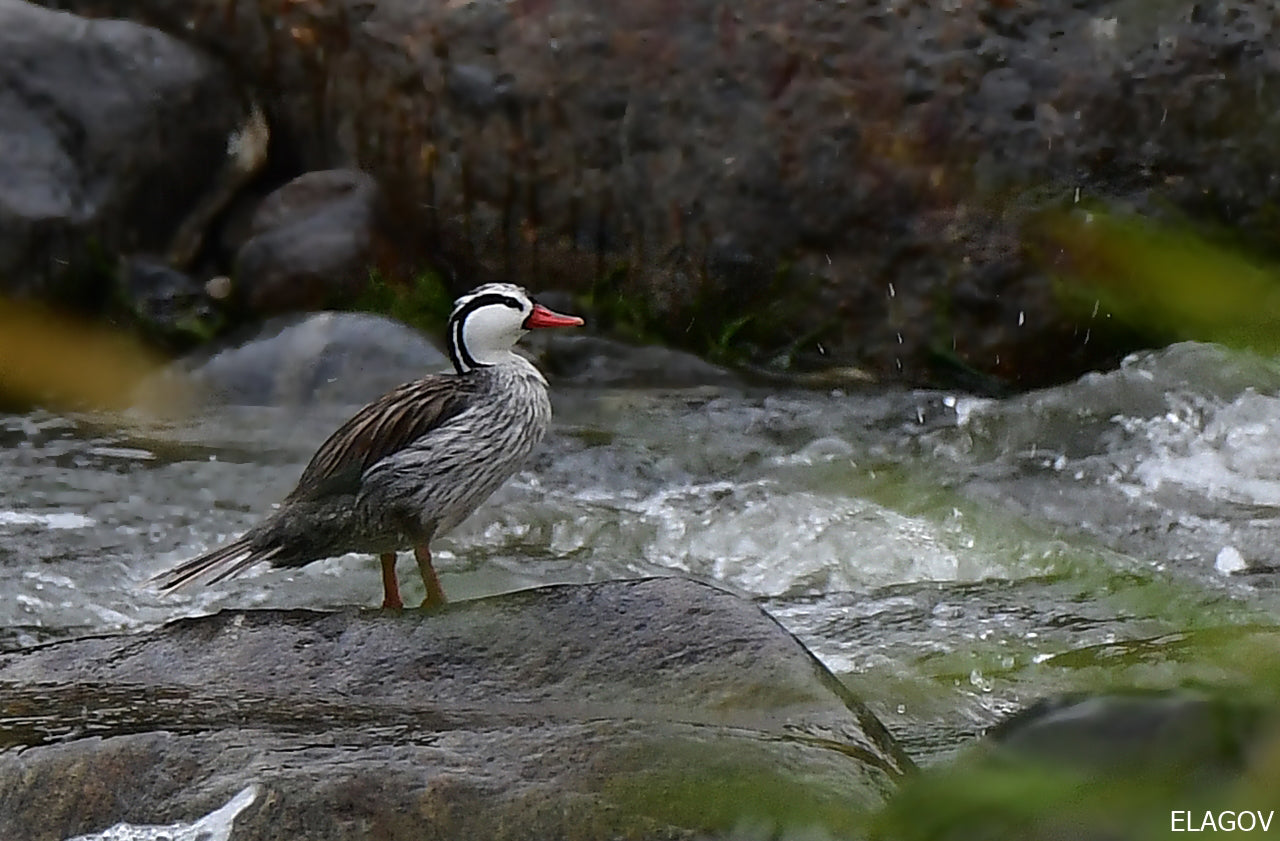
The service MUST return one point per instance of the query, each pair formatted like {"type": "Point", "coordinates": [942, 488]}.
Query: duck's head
{"type": "Point", "coordinates": [487, 322]}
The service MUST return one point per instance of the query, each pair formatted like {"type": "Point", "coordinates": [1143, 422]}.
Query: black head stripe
{"type": "Point", "coordinates": [483, 300]}
{"type": "Point", "coordinates": [458, 353]}
{"type": "Point", "coordinates": [454, 342]}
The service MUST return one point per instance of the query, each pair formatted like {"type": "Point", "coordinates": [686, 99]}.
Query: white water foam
{"type": "Point", "coordinates": [215, 826]}
{"type": "Point", "coordinates": [56, 520]}
{"type": "Point", "coordinates": [774, 542]}
{"type": "Point", "coordinates": [1233, 455]}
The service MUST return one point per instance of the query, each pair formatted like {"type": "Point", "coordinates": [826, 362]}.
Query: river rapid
{"type": "Point", "coordinates": [951, 558]}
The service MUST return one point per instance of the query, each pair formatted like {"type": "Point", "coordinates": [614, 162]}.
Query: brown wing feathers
{"type": "Point", "coordinates": [387, 425]}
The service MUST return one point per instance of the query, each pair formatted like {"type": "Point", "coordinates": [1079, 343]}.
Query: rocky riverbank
{"type": "Point", "coordinates": [785, 185]}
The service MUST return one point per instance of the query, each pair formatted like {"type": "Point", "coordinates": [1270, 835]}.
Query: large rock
{"type": "Point", "coordinates": [1192, 737]}
{"type": "Point", "coordinates": [352, 358]}
{"type": "Point", "coordinates": [794, 182]}
{"type": "Point", "coordinates": [111, 135]}
{"type": "Point", "coordinates": [311, 244]}
{"type": "Point", "coordinates": [659, 708]}
{"type": "Point", "coordinates": [334, 357]}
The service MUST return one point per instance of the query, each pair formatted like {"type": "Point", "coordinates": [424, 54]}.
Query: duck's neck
{"type": "Point", "coordinates": [498, 365]}
{"type": "Point", "coordinates": [465, 360]}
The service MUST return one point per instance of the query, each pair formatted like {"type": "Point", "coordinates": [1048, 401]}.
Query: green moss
{"type": "Point", "coordinates": [998, 795]}
{"type": "Point", "coordinates": [194, 329]}
{"type": "Point", "coordinates": [629, 317]}
{"type": "Point", "coordinates": [1016, 800]}
{"type": "Point", "coordinates": [746, 324]}
{"type": "Point", "coordinates": [182, 320]}
{"type": "Point", "coordinates": [725, 791]}
{"type": "Point", "coordinates": [423, 302]}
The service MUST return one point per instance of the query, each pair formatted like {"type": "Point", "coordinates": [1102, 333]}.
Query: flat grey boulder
{"type": "Point", "coordinates": [658, 708]}
{"type": "Point", "coordinates": [326, 357]}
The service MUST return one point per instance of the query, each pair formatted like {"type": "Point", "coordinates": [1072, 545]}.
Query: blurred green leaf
{"type": "Point", "coordinates": [1166, 280]}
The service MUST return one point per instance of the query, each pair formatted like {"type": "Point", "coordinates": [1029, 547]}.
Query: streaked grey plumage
{"type": "Point", "coordinates": [415, 462]}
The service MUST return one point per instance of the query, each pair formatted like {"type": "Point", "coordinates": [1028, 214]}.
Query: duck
{"type": "Point", "coordinates": [415, 462]}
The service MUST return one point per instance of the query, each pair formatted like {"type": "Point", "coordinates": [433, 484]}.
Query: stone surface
{"type": "Point", "coordinates": [659, 708]}
{"type": "Point", "coordinates": [111, 133]}
{"type": "Point", "coordinates": [820, 184]}
{"type": "Point", "coordinates": [352, 358]}
{"type": "Point", "coordinates": [335, 357]}
{"type": "Point", "coordinates": [169, 306]}
{"type": "Point", "coordinates": [311, 243]}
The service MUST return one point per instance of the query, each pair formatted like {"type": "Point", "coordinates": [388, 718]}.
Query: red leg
{"type": "Point", "coordinates": [435, 593]}
{"type": "Point", "coordinates": [390, 587]}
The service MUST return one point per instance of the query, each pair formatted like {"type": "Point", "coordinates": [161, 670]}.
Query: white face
{"type": "Point", "coordinates": [487, 322]}
{"type": "Point", "coordinates": [493, 327]}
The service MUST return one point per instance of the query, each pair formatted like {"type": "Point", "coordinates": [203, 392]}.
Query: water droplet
{"type": "Point", "coordinates": [1229, 560]}
{"type": "Point", "coordinates": [977, 679]}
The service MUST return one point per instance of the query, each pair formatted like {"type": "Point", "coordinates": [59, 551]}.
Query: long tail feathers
{"type": "Point", "coordinates": [215, 566]}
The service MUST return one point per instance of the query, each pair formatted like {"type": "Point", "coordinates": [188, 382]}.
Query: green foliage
{"type": "Point", "coordinates": [1166, 280]}
{"type": "Point", "coordinates": [995, 793]}
{"type": "Point", "coordinates": [1005, 799]}
{"type": "Point", "coordinates": [1229, 760]}
{"type": "Point", "coordinates": [423, 302]}
{"type": "Point", "coordinates": [729, 326]}
{"type": "Point", "coordinates": [629, 317]}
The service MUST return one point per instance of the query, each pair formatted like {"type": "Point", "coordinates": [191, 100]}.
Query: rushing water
{"type": "Point", "coordinates": [952, 558]}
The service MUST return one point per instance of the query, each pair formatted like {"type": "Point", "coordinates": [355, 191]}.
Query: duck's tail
{"type": "Point", "coordinates": [212, 567]}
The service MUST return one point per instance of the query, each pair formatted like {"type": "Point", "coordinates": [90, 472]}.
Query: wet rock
{"type": "Point", "coordinates": [659, 708]}
{"type": "Point", "coordinates": [337, 357]}
{"type": "Point", "coordinates": [112, 132]}
{"type": "Point", "coordinates": [311, 243]}
{"type": "Point", "coordinates": [476, 88]}
{"type": "Point", "coordinates": [861, 184]}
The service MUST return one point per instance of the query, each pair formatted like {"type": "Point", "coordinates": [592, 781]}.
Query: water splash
{"type": "Point", "coordinates": [215, 826]}
{"type": "Point", "coordinates": [54, 520]}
